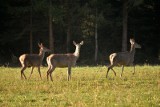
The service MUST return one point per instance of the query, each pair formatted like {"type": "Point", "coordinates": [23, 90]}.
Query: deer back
{"type": "Point", "coordinates": [62, 60]}
{"type": "Point", "coordinates": [30, 60]}
{"type": "Point", "coordinates": [122, 58]}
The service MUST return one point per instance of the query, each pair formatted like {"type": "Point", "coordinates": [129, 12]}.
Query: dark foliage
{"type": "Point", "coordinates": [143, 25]}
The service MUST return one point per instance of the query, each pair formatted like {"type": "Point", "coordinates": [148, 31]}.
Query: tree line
{"type": "Point", "coordinates": [105, 26]}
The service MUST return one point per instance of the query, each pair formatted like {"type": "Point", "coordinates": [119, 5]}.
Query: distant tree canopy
{"type": "Point", "coordinates": [77, 20]}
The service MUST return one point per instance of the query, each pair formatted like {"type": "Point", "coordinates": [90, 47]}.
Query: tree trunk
{"type": "Point", "coordinates": [157, 29]}
{"type": "Point", "coordinates": [31, 36]}
{"type": "Point", "coordinates": [68, 26]}
{"type": "Point", "coordinates": [96, 40]}
{"type": "Point", "coordinates": [124, 33]}
{"type": "Point", "coordinates": [51, 39]}
{"type": "Point", "coordinates": [68, 38]}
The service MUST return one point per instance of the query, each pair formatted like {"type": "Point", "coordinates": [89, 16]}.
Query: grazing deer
{"type": "Point", "coordinates": [123, 58]}
{"type": "Point", "coordinates": [33, 60]}
{"type": "Point", "coordinates": [63, 60]}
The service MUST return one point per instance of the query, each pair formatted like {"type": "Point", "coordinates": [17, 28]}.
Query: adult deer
{"type": "Point", "coordinates": [63, 60]}
{"type": "Point", "coordinates": [123, 58]}
{"type": "Point", "coordinates": [33, 60]}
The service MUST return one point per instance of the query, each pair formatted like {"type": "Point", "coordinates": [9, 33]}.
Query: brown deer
{"type": "Point", "coordinates": [33, 60]}
{"type": "Point", "coordinates": [123, 58]}
{"type": "Point", "coordinates": [63, 60]}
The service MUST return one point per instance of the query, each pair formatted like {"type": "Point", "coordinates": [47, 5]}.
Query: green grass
{"type": "Point", "coordinates": [88, 88]}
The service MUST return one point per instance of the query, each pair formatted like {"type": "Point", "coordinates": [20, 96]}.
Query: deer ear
{"type": "Point", "coordinates": [40, 45]}
{"type": "Point", "coordinates": [81, 43]}
{"type": "Point", "coordinates": [74, 42]}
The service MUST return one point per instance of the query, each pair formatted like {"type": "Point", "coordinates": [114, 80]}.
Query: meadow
{"type": "Point", "coordinates": [88, 88]}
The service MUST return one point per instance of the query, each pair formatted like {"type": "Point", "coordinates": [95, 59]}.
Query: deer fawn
{"type": "Point", "coordinates": [33, 60]}
{"type": "Point", "coordinates": [63, 60]}
{"type": "Point", "coordinates": [123, 58]}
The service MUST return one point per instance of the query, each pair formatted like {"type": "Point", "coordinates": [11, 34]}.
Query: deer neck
{"type": "Point", "coordinates": [132, 51]}
{"type": "Point", "coordinates": [76, 53]}
{"type": "Point", "coordinates": [41, 54]}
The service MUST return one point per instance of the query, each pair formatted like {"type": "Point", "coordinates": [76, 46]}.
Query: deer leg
{"type": "Point", "coordinates": [110, 67]}
{"type": "Point", "coordinates": [50, 73]}
{"type": "Point", "coordinates": [31, 72]}
{"type": "Point", "coordinates": [113, 71]}
{"type": "Point", "coordinates": [39, 72]}
{"type": "Point", "coordinates": [22, 72]}
{"type": "Point", "coordinates": [108, 71]}
{"type": "Point", "coordinates": [122, 70]}
{"type": "Point", "coordinates": [69, 73]}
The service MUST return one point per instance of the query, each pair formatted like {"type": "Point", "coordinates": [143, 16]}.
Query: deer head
{"type": "Point", "coordinates": [78, 46]}
{"type": "Point", "coordinates": [43, 49]}
{"type": "Point", "coordinates": [136, 45]}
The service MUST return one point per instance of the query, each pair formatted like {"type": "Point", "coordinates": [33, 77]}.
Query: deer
{"type": "Point", "coordinates": [33, 60]}
{"type": "Point", "coordinates": [63, 60]}
{"type": "Point", "coordinates": [123, 58]}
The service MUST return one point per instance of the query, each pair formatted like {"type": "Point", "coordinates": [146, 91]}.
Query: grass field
{"type": "Point", "coordinates": [88, 88]}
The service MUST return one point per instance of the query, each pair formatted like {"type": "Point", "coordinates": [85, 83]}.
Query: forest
{"type": "Point", "coordinates": [105, 26]}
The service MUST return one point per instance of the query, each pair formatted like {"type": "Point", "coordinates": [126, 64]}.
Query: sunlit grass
{"type": "Point", "coordinates": [88, 87]}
